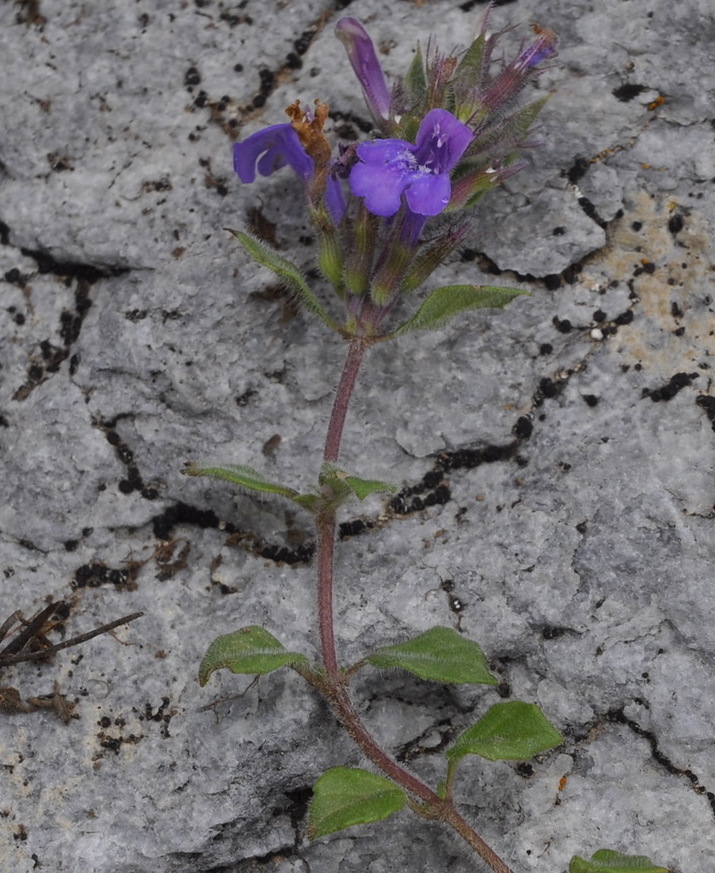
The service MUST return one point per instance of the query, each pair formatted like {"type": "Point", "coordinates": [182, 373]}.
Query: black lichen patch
{"type": "Point", "coordinates": [523, 428]}
{"type": "Point", "coordinates": [133, 480]}
{"type": "Point", "coordinates": [51, 356]}
{"type": "Point", "coordinates": [115, 743]}
{"type": "Point", "coordinates": [676, 223]}
{"type": "Point", "coordinates": [674, 385]}
{"type": "Point", "coordinates": [626, 93]}
{"type": "Point", "coordinates": [162, 715]}
{"type": "Point", "coordinates": [547, 390]}
{"type": "Point", "coordinates": [431, 490]}
{"type": "Point", "coordinates": [182, 513]}
{"type": "Point", "coordinates": [97, 574]}
{"type": "Point", "coordinates": [578, 170]}
{"type": "Point", "coordinates": [354, 528]}
{"type": "Point", "coordinates": [590, 210]}
{"type": "Point", "coordinates": [467, 459]}
{"type": "Point", "coordinates": [284, 555]}
{"type": "Point", "coordinates": [192, 77]}
{"type": "Point", "coordinates": [563, 325]}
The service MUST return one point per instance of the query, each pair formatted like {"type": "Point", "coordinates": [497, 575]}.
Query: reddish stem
{"type": "Point", "coordinates": [325, 552]}
{"type": "Point", "coordinates": [335, 688]}
{"type": "Point", "coordinates": [356, 353]}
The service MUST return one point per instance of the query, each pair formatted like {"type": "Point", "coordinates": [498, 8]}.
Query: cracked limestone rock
{"type": "Point", "coordinates": [555, 459]}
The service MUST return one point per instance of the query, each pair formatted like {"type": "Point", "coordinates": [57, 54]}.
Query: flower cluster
{"type": "Point", "coordinates": [450, 132]}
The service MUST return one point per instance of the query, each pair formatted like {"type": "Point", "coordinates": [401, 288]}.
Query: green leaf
{"type": "Point", "coordinates": [249, 650]}
{"type": "Point", "coordinates": [345, 796]}
{"type": "Point", "coordinates": [252, 480]}
{"type": "Point", "coordinates": [243, 477]}
{"type": "Point", "coordinates": [286, 271]}
{"type": "Point", "coordinates": [510, 731]}
{"type": "Point", "coordinates": [440, 654]}
{"type": "Point", "coordinates": [362, 488]}
{"type": "Point", "coordinates": [342, 483]}
{"type": "Point", "coordinates": [415, 79]}
{"type": "Point", "coordinates": [448, 301]}
{"type": "Point", "coordinates": [607, 861]}
{"type": "Point", "coordinates": [470, 67]}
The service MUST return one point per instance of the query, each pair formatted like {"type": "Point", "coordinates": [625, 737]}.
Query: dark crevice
{"type": "Point", "coordinates": [50, 356]}
{"type": "Point", "coordinates": [470, 5]}
{"type": "Point", "coordinates": [133, 480]}
{"type": "Point", "coordinates": [551, 282]}
{"type": "Point", "coordinates": [90, 273]}
{"type": "Point", "coordinates": [184, 514]}
{"type": "Point", "coordinates": [269, 79]}
{"type": "Point", "coordinates": [706, 402]}
{"type": "Point", "coordinates": [618, 716]}
{"type": "Point", "coordinates": [416, 749]}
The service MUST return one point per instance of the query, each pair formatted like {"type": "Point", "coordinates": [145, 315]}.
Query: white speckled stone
{"type": "Point", "coordinates": [135, 335]}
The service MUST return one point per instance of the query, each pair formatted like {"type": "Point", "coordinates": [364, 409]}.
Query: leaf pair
{"type": "Point", "coordinates": [340, 485]}
{"type": "Point", "coordinates": [344, 797]}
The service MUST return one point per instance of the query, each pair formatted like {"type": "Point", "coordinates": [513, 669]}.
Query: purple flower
{"type": "Point", "coordinates": [269, 150]}
{"type": "Point", "coordinates": [361, 54]}
{"type": "Point", "coordinates": [277, 146]}
{"type": "Point", "coordinates": [541, 50]}
{"type": "Point", "coordinates": [389, 167]}
{"type": "Point", "coordinates": [509, 82]}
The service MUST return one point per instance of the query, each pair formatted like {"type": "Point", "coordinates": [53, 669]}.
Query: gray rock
{"type": "Point", "coordinates": [573, 430]}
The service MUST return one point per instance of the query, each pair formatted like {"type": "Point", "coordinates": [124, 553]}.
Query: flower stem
{"type": "Point", "coordinates": [356, 353]}
{"type": "Point", "coordinates": [425, 802]}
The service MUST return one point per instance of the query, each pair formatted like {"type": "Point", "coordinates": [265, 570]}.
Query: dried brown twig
{"type": "Point", "coordinates": [16, 650]}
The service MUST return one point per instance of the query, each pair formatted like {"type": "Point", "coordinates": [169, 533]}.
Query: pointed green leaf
{"type": "Point", "coordinates": [440, 654]}
{"type": "Point", "coordinates": [345, 796]}
{"type": "Point", "coordinates": [249, 650]}
{"type": "Point", "coordinates": [243, 477]}
{"type": "Point", "coordinates": [607, 861]}
{"type": "Point", "coordinates": [286, 271]}
{"type": "Point", "coordinates": [512, 731]}
{"type": "Point", "coordinates": [252, 480]}
{"type": "Point", "coordinates": [361, 488]}
{"type": "Point", "coordinates": [416, 80]}
{"type": "Point", "coordinates": [470, 67]}
{"type": "Point", "coordinates": [342, 483]}
{"type": "Point", "coordinates": [450, 300]}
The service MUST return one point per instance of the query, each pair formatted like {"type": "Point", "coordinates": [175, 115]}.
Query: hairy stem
{"type": "Point", "coordinates": [326, 550]}
{"type": "Point", "coordinates": [356, 353]}
{"type": "Point", "coordinates": [425, 801]}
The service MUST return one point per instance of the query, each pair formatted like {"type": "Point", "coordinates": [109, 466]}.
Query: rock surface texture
{"type": "Point", "coordinates": [557, 457]}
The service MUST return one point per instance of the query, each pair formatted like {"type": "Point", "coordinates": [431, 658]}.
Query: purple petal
{"type": "Point", "coordinates": [386, 151]}
{"type": "Point", "coordinates": [429, 194]}
{"type": "Point", "coordinates": [441, 141]}
{"type": "Point", "coordinates": [335, 200]}
{"type": "Point", "coordinates": [541, 50]}
{"type": "Point", "coordinates": [269, 150]}
{"type": "Point", "coordinates": [361, 54]}
{"type": "Point", "coordinates": [381, 186]}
